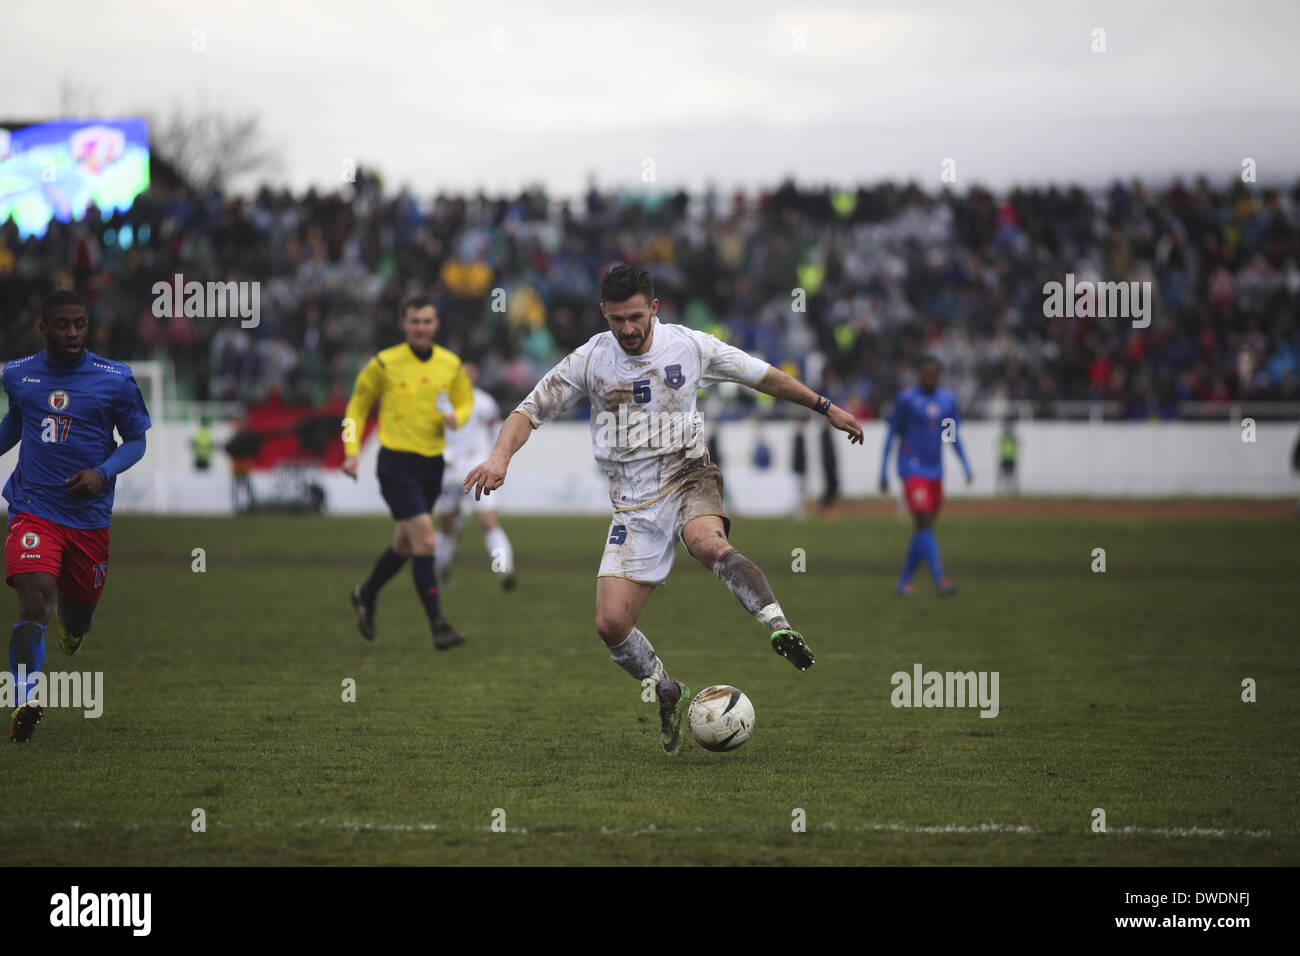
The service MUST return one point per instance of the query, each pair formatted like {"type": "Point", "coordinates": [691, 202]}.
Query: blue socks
{"type": "Point", "coordinates": [426, 583]}
{"type": "Point", "coordinates": [912, 560]}
{"type": "Point", "coordinates": [26, 647]}
{"type": "Point", "coordinates": [922, 547]}
{"type": "Point", "coordinates": [930, 550]}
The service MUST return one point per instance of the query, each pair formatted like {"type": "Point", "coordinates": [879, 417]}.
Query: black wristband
{"type": "Point", "coordinates": [823, 405]}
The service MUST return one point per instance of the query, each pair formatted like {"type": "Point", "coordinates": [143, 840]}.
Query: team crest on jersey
{"type": "Point", "coordinates": [59, 400]}
{"type": "Point", "coordinates": [932, 409]}
{"type": "Point", "coordinates": [31, 539]}
{"type": "Point", "coordinates": [673, 376]}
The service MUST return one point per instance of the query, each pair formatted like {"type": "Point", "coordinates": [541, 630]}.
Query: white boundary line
{"type": "Point", "coordinates": [368, 826]}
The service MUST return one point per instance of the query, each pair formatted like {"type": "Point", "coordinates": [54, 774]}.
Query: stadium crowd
{"type": "Point", "coordinates": [846, 288]}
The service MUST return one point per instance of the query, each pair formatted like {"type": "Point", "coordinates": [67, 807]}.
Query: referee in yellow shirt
{"type": "Point", "coordinates": [408, 380]}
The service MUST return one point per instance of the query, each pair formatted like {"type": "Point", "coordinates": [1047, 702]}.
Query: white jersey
{"type": "Point", "coordinates": [646, 433]}
{"type": "Point", "coordinates": [472, 442]}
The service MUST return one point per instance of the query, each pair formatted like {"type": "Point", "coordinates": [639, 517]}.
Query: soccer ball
{"type": "Point", "coordinates": [721, 718]}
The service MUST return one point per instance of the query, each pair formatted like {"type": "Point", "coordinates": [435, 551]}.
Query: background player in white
{"type": "Point", "coordinates": [642, 377]}
{"type": "Point", "coordinates": [466, 446]}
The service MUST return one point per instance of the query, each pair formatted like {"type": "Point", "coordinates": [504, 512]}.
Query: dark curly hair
{"type": "Point", "coordinates": [624, 281]}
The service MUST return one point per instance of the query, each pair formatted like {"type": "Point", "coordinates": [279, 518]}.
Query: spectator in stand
{"type": "Point", "coordinates": [882, 273]}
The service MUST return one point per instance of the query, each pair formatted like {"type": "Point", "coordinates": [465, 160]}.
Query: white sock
{"type": "Point", "coordinates": [499, 550]}
{"type": "Point", "coordinates": [444, 548]}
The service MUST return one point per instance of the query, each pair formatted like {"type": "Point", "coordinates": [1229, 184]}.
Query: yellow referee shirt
{"type": "Point", "coordinates": [408, 390]}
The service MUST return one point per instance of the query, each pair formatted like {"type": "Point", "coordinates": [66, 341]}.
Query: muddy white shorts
{"type": "Point", "coordinates": [642, 542]}
{"type": "Point", "coordinates": [453, 500]}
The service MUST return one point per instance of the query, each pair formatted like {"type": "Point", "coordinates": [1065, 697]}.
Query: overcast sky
{"type": "Point", "coordinates": [460, 95]}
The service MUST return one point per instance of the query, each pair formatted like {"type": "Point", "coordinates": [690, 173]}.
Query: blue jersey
{"type": "Point", "coordinates": [68, 413]}
{"type": "Point", "coordinates": [919, 420]}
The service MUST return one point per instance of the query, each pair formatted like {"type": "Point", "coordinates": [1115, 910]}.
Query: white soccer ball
{"type": "Point", "coordinates": [721, 717]}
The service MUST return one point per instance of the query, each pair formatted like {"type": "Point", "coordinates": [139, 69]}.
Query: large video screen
{"type": "Point", "coordinates": [59, 170]}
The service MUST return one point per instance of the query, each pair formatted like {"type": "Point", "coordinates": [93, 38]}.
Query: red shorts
{"type": "Point", "coordinates": [924, 495]}
{"type": "Point", "coordinates": [77, 558]}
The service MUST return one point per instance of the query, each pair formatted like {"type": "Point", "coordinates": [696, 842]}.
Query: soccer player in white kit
{"type": "Point", "coordinates": [466, 446]}
{"type": "Point", "coordinates": [641, 378]}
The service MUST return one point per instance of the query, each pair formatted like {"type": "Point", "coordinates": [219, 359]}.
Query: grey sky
{"type": "Point", "coordinates": [707, 90]}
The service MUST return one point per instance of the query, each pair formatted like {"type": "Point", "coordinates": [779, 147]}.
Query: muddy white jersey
{"type": "Point", "coordinates": [472, 442]}
{"type": "Point", "coordinates": [646, 434]}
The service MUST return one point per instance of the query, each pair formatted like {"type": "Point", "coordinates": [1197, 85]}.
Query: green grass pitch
{"type": "Point", "coordinates": [1120, 691]}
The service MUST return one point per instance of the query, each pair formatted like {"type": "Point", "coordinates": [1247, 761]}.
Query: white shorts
{"type": "Point", "coordinates": [453, 500]}
{"type": "Point", "coordinates": [642, 542]}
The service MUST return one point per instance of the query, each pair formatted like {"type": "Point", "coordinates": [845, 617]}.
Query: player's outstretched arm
{"type": "Point", "coordinates": [557, 391]}
{"type": "Point", "coordinates": [487, 477]}
{"type": "Point", "coordinates": [780, 385]}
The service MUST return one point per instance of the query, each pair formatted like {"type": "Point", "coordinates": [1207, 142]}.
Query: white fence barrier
{"type": "Point", "coordinates": [554, 473]}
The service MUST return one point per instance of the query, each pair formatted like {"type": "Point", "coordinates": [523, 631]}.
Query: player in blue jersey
{"type": "Point", "coordinates": [925, 418]}
{"type": "Point", "coordinates": [64, 404]}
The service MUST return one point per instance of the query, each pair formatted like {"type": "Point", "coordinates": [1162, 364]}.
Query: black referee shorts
{"type": "Point", "coordinates": [410, 483]}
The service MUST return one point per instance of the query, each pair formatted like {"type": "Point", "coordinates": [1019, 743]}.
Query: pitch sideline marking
{"type": "Point", "coordinates": [364, 826]}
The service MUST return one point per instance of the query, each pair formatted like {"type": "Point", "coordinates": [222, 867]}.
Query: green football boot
{"type": "Point", "coordinates": [791, 645]}
{"type": "Point", "coordinates": [670, 720]}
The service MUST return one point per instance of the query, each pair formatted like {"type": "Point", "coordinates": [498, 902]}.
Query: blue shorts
{"type": "Point", "coordinates": [410, 483]}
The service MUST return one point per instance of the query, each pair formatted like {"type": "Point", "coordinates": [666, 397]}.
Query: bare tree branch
{"type": "Point", "coordinates": [209, 148]}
